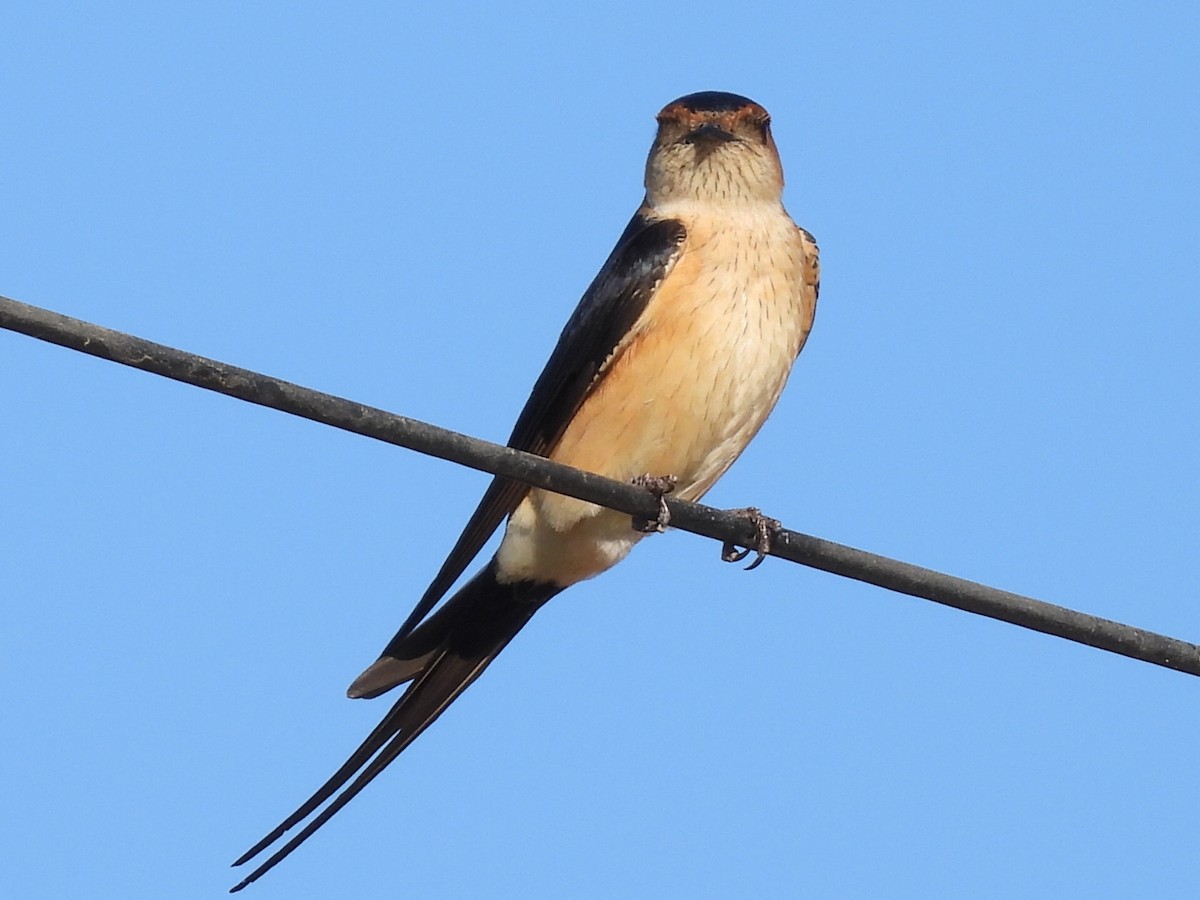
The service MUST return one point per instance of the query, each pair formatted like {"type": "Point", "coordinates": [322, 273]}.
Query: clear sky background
{"type": "Point", "coordinates": [403, 207]}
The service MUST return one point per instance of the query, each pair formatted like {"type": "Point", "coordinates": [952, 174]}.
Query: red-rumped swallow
{"type": "Point", "coordinates": [670, 364]}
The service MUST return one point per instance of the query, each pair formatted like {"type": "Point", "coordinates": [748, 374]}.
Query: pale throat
{"type": "Point", "coordinates": [731, 196]}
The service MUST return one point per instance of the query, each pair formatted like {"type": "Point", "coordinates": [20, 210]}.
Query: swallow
{"type": "Point", "coordinates": [667, 368]}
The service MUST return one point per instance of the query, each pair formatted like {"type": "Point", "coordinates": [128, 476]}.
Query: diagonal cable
{"type": "Point", "coordinates": [721, 525]}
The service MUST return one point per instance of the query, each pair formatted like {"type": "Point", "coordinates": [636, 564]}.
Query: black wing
{"type": "Point", "coordinates": [645, 253]}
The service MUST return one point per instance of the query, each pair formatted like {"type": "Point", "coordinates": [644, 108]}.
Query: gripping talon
{"type": "Point", "coordinates": [659, 486]}
{"type": "Point", "coordinates": [765, 529]}
{"type": "Point", "coordinates": [731, 554]}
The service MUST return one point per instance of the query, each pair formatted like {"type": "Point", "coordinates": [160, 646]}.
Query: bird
{"type": "Point", "coordinates": [667, 368]}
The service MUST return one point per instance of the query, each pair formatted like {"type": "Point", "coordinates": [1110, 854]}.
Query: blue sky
{"type": "Point", "coordinates": [403, 207]}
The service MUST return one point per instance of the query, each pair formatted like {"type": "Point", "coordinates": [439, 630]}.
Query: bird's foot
{"type": "Point", "coordinates": [659, 486]}
{"type": "Point", "coordinates": [765, 531]}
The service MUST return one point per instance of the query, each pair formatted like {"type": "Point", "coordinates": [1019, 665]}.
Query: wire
{"type": "Point", "coordinates": [728, 527]}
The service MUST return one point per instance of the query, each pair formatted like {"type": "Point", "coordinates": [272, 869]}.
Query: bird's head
{"type": "Point", "coordinates": [715, 147]}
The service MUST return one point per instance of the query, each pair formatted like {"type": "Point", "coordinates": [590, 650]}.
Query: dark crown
{"type": "Point", "coordinates": [713, 101]}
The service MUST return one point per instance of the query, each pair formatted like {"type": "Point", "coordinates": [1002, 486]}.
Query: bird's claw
{"type": "Point", "coordinates": [659, 486]}
{"type": "Point", "coordinates": [765, 530]}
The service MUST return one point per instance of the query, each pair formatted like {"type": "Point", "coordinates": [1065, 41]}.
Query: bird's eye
{"type": "Point", "coordinates": [668, 115]}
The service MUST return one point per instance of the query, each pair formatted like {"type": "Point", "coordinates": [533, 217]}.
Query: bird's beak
{"type": "Point", "coordinates": [709, 134]}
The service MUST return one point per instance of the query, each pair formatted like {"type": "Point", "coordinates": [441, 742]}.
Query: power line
{"type": "Point", "coordinates": [721, 525]}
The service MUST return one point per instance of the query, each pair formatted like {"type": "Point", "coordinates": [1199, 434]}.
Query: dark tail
{"type": "Point", "coordinates": [442, 657]}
